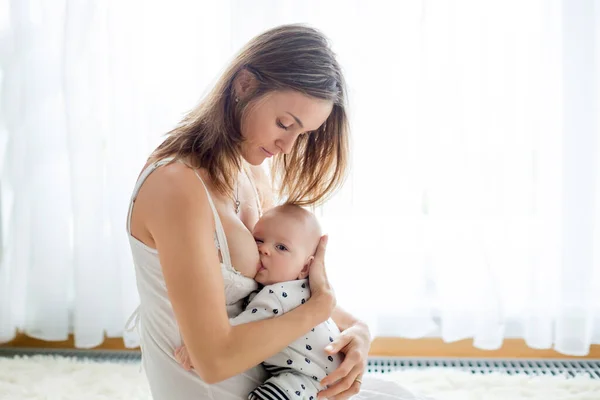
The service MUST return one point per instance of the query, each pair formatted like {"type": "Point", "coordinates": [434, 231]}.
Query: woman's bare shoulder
{"type": "Point", "coordinates": [172, 181]}
{"type": "Point", "coordinates": [168, 191]}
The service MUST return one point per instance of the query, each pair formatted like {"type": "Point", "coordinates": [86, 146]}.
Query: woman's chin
{"type": "Point", "coordinates": [255, 158]}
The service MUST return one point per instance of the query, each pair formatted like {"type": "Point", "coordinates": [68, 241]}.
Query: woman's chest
{"type": "Point", "coordinates": [238, 228]}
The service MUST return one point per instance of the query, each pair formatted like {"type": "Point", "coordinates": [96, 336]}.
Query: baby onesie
{"type": "Point", "coordinates": [297, 370]}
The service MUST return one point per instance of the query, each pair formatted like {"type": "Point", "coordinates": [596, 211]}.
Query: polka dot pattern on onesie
{"type": "Point", "coordinates": [307, 360]}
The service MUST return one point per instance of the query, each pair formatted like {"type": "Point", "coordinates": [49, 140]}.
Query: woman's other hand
{"type": "Point", "coordinates": [183, 358]}
{"type": "Point", "coordinates": [354, 343]}
{"type": "Point", "coordinates": [320, 287]}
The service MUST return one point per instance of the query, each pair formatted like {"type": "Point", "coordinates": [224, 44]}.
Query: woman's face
{"type": "Point", "coordinates": [272, 125]}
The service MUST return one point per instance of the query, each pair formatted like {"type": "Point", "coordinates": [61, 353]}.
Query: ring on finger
{"type": "Point", "coordinates": [358, 380]}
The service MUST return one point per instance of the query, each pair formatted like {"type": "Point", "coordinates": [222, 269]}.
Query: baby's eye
{"type": "Point", "coordinates": [258, 240]}
{"type": "Point", "coordinates": [281, 247]}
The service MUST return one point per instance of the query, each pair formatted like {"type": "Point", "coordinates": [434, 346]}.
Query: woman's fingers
{"type": "Point", "coordinates": [338, 344]}
{"type": "Point", "coordinates": [345, 388]}
{"type": "Point", "coordinates": [320, 253]}
{"type": "Point", "coordinates": [317, 276]}
{"type": "Point", "coordinates": [182, 357]}
{"type": "Point", "coordinates": [349, 363]}
{"type": "Point", "coordinates": [317, 267]}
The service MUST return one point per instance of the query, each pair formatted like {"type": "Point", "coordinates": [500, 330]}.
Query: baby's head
{"type": "Point", "coordinates": [287, 237]}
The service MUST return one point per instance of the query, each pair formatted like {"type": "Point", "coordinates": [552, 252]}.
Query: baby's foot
{"type": "Point", "coordinates": [183, 358]}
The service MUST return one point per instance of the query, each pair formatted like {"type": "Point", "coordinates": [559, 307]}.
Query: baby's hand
{"type": "Point", "coordinates": [183, 358]}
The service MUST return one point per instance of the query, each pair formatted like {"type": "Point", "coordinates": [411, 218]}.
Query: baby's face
{"type": "Point", "coordinates": [286, 244]}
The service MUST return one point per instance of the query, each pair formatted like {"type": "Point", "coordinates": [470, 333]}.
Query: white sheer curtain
{"type": "Point", "coordinates": [472, 206]}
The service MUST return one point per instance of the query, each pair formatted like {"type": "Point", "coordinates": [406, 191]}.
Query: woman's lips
{"type": "Point", "coordinates": [267, 152]}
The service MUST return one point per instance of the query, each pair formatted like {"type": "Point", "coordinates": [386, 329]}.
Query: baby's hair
{"type": "Point", "coordinates": [313, 225]}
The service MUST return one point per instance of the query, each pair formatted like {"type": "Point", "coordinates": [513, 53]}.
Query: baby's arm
{"type": "Point", "coordinates": [264, 305]}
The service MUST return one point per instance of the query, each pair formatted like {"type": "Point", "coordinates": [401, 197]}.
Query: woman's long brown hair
{"type": "Point", "coordinates": [289, 57]}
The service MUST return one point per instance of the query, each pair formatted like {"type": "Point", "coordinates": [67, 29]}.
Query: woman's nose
{"type": "Point", "coordinates": [286, 144]}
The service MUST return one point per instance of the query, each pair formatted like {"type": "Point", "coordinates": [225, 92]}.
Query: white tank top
{"type": "Point", "coordinates": [158, 329]}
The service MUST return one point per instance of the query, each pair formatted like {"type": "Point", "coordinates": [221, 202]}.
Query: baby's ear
{"type": "Point", "coordinates": [306, 269]}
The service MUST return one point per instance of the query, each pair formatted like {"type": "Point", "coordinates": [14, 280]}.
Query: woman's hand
{"type": "Point", "coordinates": [354, 343]}
{"type": "Point", "coordinates": [183, 358]}
{"type": "Point", "coordinates": [320, 288]}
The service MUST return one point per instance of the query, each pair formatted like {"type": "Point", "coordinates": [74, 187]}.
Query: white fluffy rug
{"type": "Point", "coordinates": [54, 378]}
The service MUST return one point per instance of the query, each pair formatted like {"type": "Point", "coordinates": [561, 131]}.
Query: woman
{"type": "Point", "coordinates": [282, 97]}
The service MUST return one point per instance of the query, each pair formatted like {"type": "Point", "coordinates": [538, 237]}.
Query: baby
{"type": "Point", "coordinates": [287, 237]}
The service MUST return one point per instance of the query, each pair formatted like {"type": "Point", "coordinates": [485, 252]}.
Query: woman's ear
{"type": "Point", "coordinates": [306, 269]}
{"type": "Point", "coordinates": [244, 83]}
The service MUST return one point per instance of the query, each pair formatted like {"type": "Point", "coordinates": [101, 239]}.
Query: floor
{"type": "Point", "coordinates": [117, 376]}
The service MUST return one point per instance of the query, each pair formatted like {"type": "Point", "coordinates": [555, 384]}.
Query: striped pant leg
{"type": "Point", "coordinates": [287, 386]}
{"type": "Point", "coordinates": [268, 391]}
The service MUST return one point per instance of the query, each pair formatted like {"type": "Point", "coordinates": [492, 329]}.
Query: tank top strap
{"type": "Point", "coordinates": [140, 181]}
{"type": "Point", "coordinates": [221, 237]}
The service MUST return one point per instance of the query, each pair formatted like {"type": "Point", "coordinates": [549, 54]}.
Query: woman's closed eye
{"type": "Point", "coordinates": [282, 126]}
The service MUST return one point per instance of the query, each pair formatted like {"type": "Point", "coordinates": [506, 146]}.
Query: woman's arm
{"type": "Point", "coordinates": [344, 320]}
{"type": "Point", "coordinates": [175, 208]}
{"type": "Point", "coordinates": [354, 342]}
